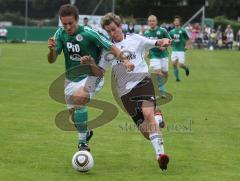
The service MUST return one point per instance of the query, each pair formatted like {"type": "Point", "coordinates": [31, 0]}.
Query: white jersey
{"type": "Point", "coordinates": [134, 47]}
{"type": "Point", "coordinates": [3, 32]}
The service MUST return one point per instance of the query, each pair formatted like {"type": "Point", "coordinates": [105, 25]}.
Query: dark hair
{"type": "Point", "coordinates": [68, 10]}
{"type": "Point", "coordinates": [177, 17]}
{"type": "Point", "coordinates": [85, 18]}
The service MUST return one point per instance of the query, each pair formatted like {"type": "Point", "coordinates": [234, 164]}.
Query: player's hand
{"type": "Point", "coordinates": [51, 44]}
{"type": "Point", "coordinates": [130, 66]}
{"type": "Point", "coordinates": [187, 47]}
{"type": "Point", "coordinates": [87, 60]}
{"type": "Point", "coordinates": [162, 48]}
{"type": "Point", "coordinates": [165, 42]}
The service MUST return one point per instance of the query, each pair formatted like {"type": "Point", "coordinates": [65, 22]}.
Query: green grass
{"type": "Point", "coordinates": [33, 148]}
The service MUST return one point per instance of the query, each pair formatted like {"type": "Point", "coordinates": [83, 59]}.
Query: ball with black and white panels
{"type": "Point", "coordinates": [82, 161]}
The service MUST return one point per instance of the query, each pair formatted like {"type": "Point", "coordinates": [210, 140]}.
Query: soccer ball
{"type": "Point", "coordinates": [211, 48]}
{"type": "Point", "coordinates": [82, 161]}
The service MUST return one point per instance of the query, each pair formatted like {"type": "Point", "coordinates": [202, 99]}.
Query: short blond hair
{"type": "Point", "coordinates": [109, 18]}
{"type": "Point", "coordinates": [152, 16]}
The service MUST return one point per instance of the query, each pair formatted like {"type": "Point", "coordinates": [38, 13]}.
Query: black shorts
{"type": "Point", "coordinates": [132, 101]}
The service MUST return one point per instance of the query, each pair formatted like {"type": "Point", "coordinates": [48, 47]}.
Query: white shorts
{"type": "Point", "coordinates": [177, 55]}
{"type": "Point", "coordinates": [161, 63]}
{"type": "Point", "coordinates": [91, 83]}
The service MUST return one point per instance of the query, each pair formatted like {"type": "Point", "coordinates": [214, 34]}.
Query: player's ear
{"type": "Point", "coordinates": [77, 18]}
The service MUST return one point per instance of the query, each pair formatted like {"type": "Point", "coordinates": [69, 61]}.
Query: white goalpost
{"type": "Point", "coordinates": [200, 11]}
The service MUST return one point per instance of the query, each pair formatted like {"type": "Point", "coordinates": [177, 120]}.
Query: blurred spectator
{"type": "Point", "coordinates": [230, 36]}
{"type": "Point", "coordinates": [219, 37]}
{"type": "Point", "coordinates": [3, 33]}
{"type": "Point", "coordinates": [169, 27]}
{"type": "Point", "coordinates": [219, 28]}
{"type": "Point", "coordinates": [238, 39]}
{"type": "Point", "coordinates": [164, 25]}
{"type": "Point", "coordinates": [196, 29]}
{"type": "Point", "coordinates": [131, 28]}
{"type": "Point", "coordinates": [208, 30]}
{"type": "Point", "coordinates": [142, 29]}
{"type": "Point", "coordinates": [188, 28]}
{"type": "Point", "coordinates": [85, 22]}
{"type": "Point", "coordinates": [213, 40]}
{"type": "Point", "coordinates": [224, 40]}
{"type": "Point", "coordinates": [124, 27]}
{"type": "Point", "coordinates": [205, 39]}
{"type": "Point", "coordinates": [95, 26]}
{"type": "Point", "coordinates": [198, 41]}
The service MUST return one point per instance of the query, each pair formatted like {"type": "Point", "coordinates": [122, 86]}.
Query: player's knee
{"type": "Point", "coordinates": [79, 101]}
{"type": "Point", "coordinates": [165, 73]}
{"type": "Point", "coordinates": [80, 97]}
{"type": "Point", "coordinates": [158, 71]}
{"type": "Point", "coordinates": [181, 65]}
{"type": "Point", "coordinates": [148, 114]}
{"type": "Point", "coordinates": [175, 63]}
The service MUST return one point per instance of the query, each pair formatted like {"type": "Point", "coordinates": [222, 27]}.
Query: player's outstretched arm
{"type": "Point", "coordinates": [96, 70]}
{"type": "Point", "coordinates": [188, 44]}
{"type": "Point", "coordinates": [52, 55]}
{"type": "Point", "coordinates": [122, 58]}
{"type": "Point", "coordinates": [164, 42]}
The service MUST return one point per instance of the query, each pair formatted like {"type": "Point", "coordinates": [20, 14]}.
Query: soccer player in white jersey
{"type": "Point", "coordinates": [136, 88]}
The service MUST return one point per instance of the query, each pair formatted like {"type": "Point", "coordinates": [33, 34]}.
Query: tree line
{"type": "Point", "coordinates": [43, 9]}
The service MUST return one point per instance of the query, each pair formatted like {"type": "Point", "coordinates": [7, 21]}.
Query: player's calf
{"type": "Point", "coordinates": [185, 68]}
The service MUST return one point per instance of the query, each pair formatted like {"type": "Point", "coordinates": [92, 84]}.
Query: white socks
{"type": "Point", "coordinates": [158, 119]}
{"type": "Point", "coordinates": [157, 143]}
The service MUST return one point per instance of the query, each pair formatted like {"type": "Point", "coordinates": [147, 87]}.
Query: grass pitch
{"type": "Point", "coordinates": [202, 136]}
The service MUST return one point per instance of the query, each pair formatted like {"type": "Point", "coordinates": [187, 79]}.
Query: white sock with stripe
{"type": "Point", "coordinates": [157, 143]}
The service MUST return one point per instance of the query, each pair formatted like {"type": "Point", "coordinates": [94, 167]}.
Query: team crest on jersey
{"type": "Point", "coordinates": [180, 31]}
{"type": "Point", "coordinates": [158, 32]}
{"type": "Point", "coordinates": [79, 37]}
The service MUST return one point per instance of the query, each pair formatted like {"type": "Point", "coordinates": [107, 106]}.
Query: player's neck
{"type": "Point", "coordinates": [177, 27]}
{"type": "Point", "coordinates": [154, 28]}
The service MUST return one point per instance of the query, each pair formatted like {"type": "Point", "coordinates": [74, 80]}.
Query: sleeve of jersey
{"type": "Point", "coordinates": [167, 35]}
{"type": "Point", "coordinates": [170, 34]}
{"type": "Point", "coordinates": [145, 34]}
{"type": "Point", "coordinates": [57, 38]}
{"type": "Point", "coordinates": [187, 36]}
{"type": "Point", "coordinates": [148, 43]}
{"type": "Point", "coordinates": [98, 39]}
{"type": "Point", "coordinates": [104, 63]}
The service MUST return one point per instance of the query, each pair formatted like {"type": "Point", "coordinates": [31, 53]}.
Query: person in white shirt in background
{"type": "Point", "coordinates": [3, 33]}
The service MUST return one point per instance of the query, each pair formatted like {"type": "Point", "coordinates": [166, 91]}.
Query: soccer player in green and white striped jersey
{"type": "Point", "coordinates": [158, 56]}
{"type": "Point", "coordinates": [80, 45]}
{"type": "Point", "coordinates": [181, 43]}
